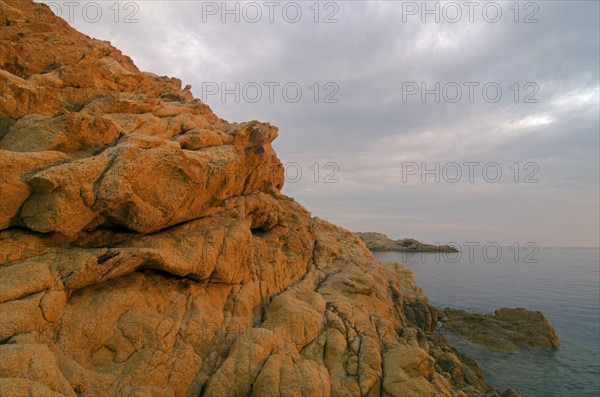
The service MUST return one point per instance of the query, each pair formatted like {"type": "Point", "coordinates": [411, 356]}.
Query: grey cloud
{"type": "Point", "coordinates": [371, 131]}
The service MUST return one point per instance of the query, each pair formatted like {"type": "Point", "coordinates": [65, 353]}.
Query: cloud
{"type": "Point", "coordinates": [372, 131]}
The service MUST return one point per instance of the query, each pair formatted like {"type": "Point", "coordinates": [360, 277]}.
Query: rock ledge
{"type": "Point", "coordinates": [506, 330]}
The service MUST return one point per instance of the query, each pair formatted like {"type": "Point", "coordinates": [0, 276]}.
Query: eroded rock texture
{"type": "Point", "coordinates": [146, 250]}
{"type": "Point", "coordinates": [507, 330]}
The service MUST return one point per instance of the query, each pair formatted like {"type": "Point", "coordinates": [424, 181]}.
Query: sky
{"type": "Point", "coordinates": [442, 121]}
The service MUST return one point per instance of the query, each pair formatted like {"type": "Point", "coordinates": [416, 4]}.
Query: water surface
{"type": "Point", "coordinates": [564, 283]}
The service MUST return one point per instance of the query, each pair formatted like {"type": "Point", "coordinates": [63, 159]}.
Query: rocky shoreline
{"type": "Point", "coordinates": [146, 248]}
{"type": "Point", "coordinates": [381, 242]}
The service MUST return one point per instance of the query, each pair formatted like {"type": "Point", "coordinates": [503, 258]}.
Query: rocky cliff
{"type": "Point", "coordinates": [146, 249]}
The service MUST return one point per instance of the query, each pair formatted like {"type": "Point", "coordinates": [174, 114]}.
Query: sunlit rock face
{"type": "Point", "coordinates": [146, 249]}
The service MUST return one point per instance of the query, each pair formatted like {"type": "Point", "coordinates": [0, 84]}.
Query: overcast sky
{"type": "Point", "coordinates": [366, 123]}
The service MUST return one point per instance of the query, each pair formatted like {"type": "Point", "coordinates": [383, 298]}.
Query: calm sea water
{"type": "Point", "coordinates": [564, 284]}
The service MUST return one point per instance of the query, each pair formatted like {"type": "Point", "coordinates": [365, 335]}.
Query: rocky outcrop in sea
{"type": "Point", "coordinates": [507, 330]}
{"type": "Point", "coordinates": [380, 242]}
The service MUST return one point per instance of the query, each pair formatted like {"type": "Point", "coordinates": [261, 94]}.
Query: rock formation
{"type": "Point", "coordinates": [381, 242]}
{"type": "Point", "coordinates": [513, 393]}
{"type": "Point", "coordinates": [506, 330]}
{"type": "Point", "coordinates": [146, 249]}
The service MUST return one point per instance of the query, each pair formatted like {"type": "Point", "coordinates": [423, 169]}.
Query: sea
{"type": "Point", "coordinates": [563, 283]}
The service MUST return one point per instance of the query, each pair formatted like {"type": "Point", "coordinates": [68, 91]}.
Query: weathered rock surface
{"type": "Point", "coordinates": [146, 249]}
{"type": "Point", "coordinates": [513, 393]}
{"type": "Point", "coordinates": [381, 242]}
{"type": "Point", "coordinates": [506, 330]}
